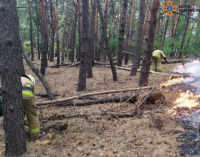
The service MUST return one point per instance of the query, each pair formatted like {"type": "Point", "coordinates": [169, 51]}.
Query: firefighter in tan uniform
{"type": "Point", "coordinates": [28, 92]}
{"type": "Point", "coordinates": [157, 55]}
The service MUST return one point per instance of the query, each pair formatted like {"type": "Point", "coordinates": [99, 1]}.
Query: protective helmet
{"type": "Point", "coordinates": [32, 78]}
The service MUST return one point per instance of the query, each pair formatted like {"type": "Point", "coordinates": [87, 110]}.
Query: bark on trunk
{"type": "Point", "coordinates": [31, 35]}
{"type": "Point", "coordinates": [79, 32]}
{"type": "Point", "coordinates": [127, 35]}
{"type": "Point", "coordinates": [97, 55]}
{"type": "Point", "coordinates": [45, 39]}
{"type": "Point", "coordinates": [71, 53]}
{"type": "Point", "coordinates": [107, 47]}
{"type": "Point", "coordinates": [38, 74]}
{"type": "Point", "coordinates": [136, 59]}
{"type": "Point", "coordinates": [11, 67]}
{"type": "Point", "coordinates": [57, 35]}
{"type": "Point", "coordinates": [133, 17]}
{"type": "Point", "coordinates": [64, 34]}
{"type": "Point", "coordinates": [120, 12]}
{"type": "Point", "coordinates": [148, 48]}
{"type": "Point", "coordinates": [121, 33]}
{"type": "Point", "coordinates": [85, 46]}
{"type": "Point", "coordinates": [52, 32]}
{"type": "Point", "coordinates": [92, 39]}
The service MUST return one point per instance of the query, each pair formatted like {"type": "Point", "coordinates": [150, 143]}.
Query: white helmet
{"type": "Point", "coordinates": [32, 78]}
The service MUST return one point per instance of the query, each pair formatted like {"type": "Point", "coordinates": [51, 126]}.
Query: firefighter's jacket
{"type": "Point", "coordinates": [158, 54]}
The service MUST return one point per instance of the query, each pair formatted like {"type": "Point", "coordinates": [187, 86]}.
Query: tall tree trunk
{"type": "Point", "coordinates": [38, 36]}
{"type": "Point", "coordinates": [31, 35]}
{"type": "Point", "coordinates": [147, 17]}
{"type": "Point", "coordinates": [52, 31]}
{"type": "Point", "coordinates": [57, 35]}
{"type": "Point", "coordinates": [121, 33]}
{"type": "Point", "coordinates": [136, 59]}
{"type": "Point", "coordinates": [11, 68]}
{"type": "Point", "coordinates": [44, 38]}
{"type": "Point", "coordinates": [97, 54]}
{"type": "Point", "coordinates": [127, 35]}
{"type": "Point", "coordinates": [133, 17]}
{"type": "Point", "coordinates": [165, 32]}
{"type": "Point", "coordinates": [158, 23]}
{"type": "Point", "coordinates": [92, 39]}
{"type": "Point", "coordinates": [107, 47]}
{"type": "Point", "coordinates": [79, 32]}
{"type": "Point", "coordinates": [148, 48]}
{"type": "Point", "coordinates": [185, 29]}
{"type": "Point", "coordinates": [64, 34]}
{"type": "Point", "coordinates": [71, 53]}
{"type": "Point", "coordinates": [114, 18]}
{"type": "Point", "coordinates": [85, 46]}
{"type": "Point", "coordinates": [120, 12]}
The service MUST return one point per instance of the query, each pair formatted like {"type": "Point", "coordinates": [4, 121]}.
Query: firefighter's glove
{"type": "Point", "coordinates": [166, 60]}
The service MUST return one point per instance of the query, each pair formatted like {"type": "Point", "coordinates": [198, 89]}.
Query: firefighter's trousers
{"type": "Point", "coordinates": [32, 118]}
{"type": "Point", "coordinates": [157, 63]}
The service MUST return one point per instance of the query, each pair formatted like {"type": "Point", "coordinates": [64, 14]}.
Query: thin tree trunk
{"type": "Point", "coordinates": [114, 18]}
{"type": "Point", "coordinates": [38, 74]}
{"type": "Point", "coordinates": [37, 26]}
{"type": "Point", "coordinates": [165, 32]}
{"type": "Point", "coordinates": [158, 23]}
{"type": "Point", "coordinates": [31, 35]}
{"type": "Point", "coordinates": [79, 32]}
{"type": "Point", "coordinates": [11, 68]}
{"type": "Point", "coordinates": [136, 59]}
{"type": "Point", "coordinates": [133, 17]}
{"type": "Point", "coordinates": [127, 35]}
{"type": "Point", "coordinates": [97, 54]}
{"type": "Point", "coordinates": [148, 48]}
{"type": "Point", "coordinates": [45, 39]}
{"type": "Point", "coordinates": [85, 46]}
{"type": "Point", "coordinates": [147, 18]}
{"type": "Point", "coordinates": [92, 40]}
{"type": "Point", "coordinates": [64, 34]}
{"type": "Point", "coordinates": [185, 30]}
{"type": "Point", "coordinates": [107, 47]}
{"type": "Point", "coordinates": [121, 33]}
{"type": "Point", "coordinates": [120, 12]}
{"type": "Point", "coordinates": [71, 53]}
{"type": "Point", "coordinates": [57, 35]}
{"type": "Point", "coordinates": [52, 31]}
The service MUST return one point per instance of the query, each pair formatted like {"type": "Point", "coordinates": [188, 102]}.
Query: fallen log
{"type": "Point", "coordinates": [152, 97]}
{"type": "Point", "coordinates": [44, 95]}
{"type": "Point", "coordinates": [152, 72]}
{"type": "Point", "coordinates": [102, 100]}
{"type": "Point", "coordinates": [174, 61]}
{"type": "Point", "coordinates": [90, 94]}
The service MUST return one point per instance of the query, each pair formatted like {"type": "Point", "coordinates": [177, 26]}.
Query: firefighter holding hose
{"type": "Point", "coordinates": [157, 56]}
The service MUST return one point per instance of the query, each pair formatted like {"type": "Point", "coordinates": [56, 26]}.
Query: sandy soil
{"type": "Point", "coordinates": [148, 134]}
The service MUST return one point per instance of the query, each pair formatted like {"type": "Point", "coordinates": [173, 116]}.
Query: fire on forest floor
{"type": "Point", "coordinates": [150, 133]}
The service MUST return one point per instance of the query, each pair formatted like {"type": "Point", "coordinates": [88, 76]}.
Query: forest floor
{"type": "Point", "coordinates": [148, 134]}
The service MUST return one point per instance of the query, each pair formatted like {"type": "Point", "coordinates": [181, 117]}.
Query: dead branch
{"type": "Point", "coordinates": [44, 95]}
{"type": "Point", "coordinates": [89, 94]}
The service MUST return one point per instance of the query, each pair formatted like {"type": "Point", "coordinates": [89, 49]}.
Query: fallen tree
{"type": "Point", "coordinates": [38, 74]}
{"type": "Point", "coordinates": [152, 72]}
{"type": "Point", "coordinates": [90, 94]}
{"type": "Point", "coordinates": [150, 97]}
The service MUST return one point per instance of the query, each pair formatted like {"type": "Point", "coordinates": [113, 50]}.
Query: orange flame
{"type": "Point", "coordinates": [176, 81]}
{"type": "Point", "coordinates": [186, 99]}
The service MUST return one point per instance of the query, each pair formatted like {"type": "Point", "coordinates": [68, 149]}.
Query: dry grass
{"type": "Point", "coordinates": [149, 134]}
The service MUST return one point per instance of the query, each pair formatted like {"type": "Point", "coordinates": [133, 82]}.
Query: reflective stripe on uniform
{"type": "Point", "coordinates": [159, 68]}
{"type": "Point", "coordinates": [32, 131]}
{"type": "Point", "coordinates": [156, 55]}
{"type": "Point", "coordinates": [27, 93]}
{"type": "Point", "coordinates": [30, 84]}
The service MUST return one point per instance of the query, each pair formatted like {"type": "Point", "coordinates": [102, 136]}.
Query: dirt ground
{"type": "Point", "coordinates": [148, 134]}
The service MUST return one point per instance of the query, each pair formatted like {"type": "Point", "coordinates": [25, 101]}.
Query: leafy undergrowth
{"type": "Point", "coordinates": [148, 134]}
